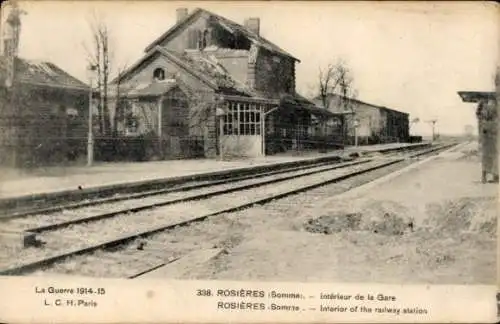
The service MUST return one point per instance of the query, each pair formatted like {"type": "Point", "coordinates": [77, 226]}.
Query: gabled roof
{"type": "Point", "coordinates": [42, 74]}
{"type": "Point", "coordinates": [228, 25]}
{"type": "Point", "coordinates": [169, 55]}
{"type": "Point", "coordinates": [201, 67]}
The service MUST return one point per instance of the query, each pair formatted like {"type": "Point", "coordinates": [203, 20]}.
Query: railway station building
{"type": "Point", "coordinates": [209, 87]}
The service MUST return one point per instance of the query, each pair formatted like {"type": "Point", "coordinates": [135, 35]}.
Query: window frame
{"type": "Point", "coordinates": [242, 118]}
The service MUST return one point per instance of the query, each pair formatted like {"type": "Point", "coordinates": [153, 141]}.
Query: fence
{"type": "Point", "coordinates": [282, 144]}
{"type": "Point", "coordinates": [147, 148]}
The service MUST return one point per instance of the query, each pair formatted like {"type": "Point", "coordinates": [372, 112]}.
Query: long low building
{"type": "Point", "coordinates": [43, 114]}
{"type": "Point", "coordinates": [373, 124]}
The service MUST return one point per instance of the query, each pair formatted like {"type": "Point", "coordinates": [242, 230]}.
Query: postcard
{"type": "Point", "coordinates": [249, 162]}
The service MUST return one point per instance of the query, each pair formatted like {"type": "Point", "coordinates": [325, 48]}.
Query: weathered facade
{"type": "Point", "coordinates": [375, 124]}
{"type": "Point", "coordinates": [487, 112]}
{"type": "Point", "coordinates": [43, 114]}
{"type": "Point", "coordinates": [236, 83]}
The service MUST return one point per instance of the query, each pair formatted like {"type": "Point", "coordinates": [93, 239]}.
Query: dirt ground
{"type": "Point", "coordinates": [435, 224]}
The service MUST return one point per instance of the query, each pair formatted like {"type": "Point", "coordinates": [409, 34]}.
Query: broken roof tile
{"type": "Point", "coordinates": [42, 73]}
{"type": "Point", "coordinates": [229, 25]}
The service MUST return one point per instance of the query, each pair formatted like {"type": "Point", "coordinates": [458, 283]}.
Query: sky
{"type": "Point", "coordinates": [409, 56]}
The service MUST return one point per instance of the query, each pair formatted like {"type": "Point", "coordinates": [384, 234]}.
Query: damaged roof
{"type": "Point", "coordinates": [209, 66]}
{"type": "Point", "coordinates": [153, 89]}
{"type": "Point", "coordinates": [41, 73]}
{"type": "Point", "coordinates": [204, 67]}
{"type": "Point", "coordinates": [228, 25]}
{"type": "Point", "coordinates": [300, 101]}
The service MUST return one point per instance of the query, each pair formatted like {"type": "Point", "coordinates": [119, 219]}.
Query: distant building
{"type": "Point", "coordinates": [210, 79]}
{"type": "Point", "coordinates": [43, 114]}
{"type": "Point", "coordinates": [376, 124]}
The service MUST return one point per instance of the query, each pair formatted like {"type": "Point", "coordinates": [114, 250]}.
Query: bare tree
{"type": "Point", "coordinates": [99, 55]}
{"type": "Point", "coordinates": [336, 79]}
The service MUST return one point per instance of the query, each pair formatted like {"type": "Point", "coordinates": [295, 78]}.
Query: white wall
{"type": "Point", "coordinates": [242, 145]}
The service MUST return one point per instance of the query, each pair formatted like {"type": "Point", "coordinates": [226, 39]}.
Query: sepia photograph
{"type": "Point", "coordinates": [307, 142]}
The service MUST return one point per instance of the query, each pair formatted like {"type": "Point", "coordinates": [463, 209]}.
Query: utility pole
{"type": "Point", "coordinates": [356, 125]}
{"type": "Point", "coordinates": [90, 138]}
{"type": "Point", "coordinates": [433, 124]}
{"type": "Point", "coordinates": [10, 46]}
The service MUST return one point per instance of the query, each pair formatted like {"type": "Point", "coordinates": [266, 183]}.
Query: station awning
{"type": "Point", "coordinates": [476, 96]}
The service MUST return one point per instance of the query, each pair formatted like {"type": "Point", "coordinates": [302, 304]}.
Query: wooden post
{"type": "Point", "coordinates": [221, 132]}
{"type": "Point", "coordinates": [489, 156]}
{"type": "Point", "coordinates": [263, 129]}
{"type": "Point", "coordinates": [160, 127]}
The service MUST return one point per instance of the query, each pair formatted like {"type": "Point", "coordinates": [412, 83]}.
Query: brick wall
{"type": "Point", "coordinates": [273, 74]}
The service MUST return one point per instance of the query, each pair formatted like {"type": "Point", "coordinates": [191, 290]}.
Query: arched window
{"type": "Point", "coordinates": [159, 74]}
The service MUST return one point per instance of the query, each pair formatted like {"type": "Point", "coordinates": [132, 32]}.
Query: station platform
{"type": "Point", "coordinates": [452, 240]}
{"type": "Point", "coordinates": [15, 184]}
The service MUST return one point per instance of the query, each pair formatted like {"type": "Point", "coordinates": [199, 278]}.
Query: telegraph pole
{"type": "Point", "coordinates": [433, 124]}
{"type": "Point", "coordinates": [10, 43]}
{"type": "Point", "coordinates": [90, 138]}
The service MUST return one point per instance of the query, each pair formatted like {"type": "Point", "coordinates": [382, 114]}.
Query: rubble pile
{"type": "Point", "coordinates": [467, 214]}
{"type": "Point", "coordinates": [387, 218]}
{"type": "Point", "coordinates": [328, 224]}
{"type": "Point", "coordinates": [384, 218]}
{"type": "Point", "coordinates": [471, 154]}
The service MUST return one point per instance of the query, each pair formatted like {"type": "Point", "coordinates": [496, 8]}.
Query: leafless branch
{"type": "Point", "coordinates": [98, 54]}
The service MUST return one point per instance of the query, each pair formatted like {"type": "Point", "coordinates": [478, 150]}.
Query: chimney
{"type": "Point", "coordinates": [181, 14]}
{"type": "Point", "coordinates": [253, 24]}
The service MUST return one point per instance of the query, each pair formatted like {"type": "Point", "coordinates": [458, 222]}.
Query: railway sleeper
{"type": "Point", "coordinates": [23, 238]}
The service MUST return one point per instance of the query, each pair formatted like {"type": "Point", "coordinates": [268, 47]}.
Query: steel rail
{"type": "Point", "coordinates": [201, 183]}
{"type": "Point", "coordinates": [163, 264]}
{"type": "Point", "coordinates": [167, 202]}
{"type": "Point", "coordinates": [46, 262]}
{"type": "Point", "coordinates": [101, 216]}
{"type": "Point", "coordinates": [186, 187]}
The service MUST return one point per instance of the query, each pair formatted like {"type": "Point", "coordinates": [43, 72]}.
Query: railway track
{"type": "Point", "coordinates": [186, 186]}
{"type": "Point", "coordinates": [50, 203]}
{"type": "Point", "coordinates": [117, 229]}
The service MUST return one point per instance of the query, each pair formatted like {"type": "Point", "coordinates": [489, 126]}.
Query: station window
{"type": "Point", "coordinates": [242, 119]}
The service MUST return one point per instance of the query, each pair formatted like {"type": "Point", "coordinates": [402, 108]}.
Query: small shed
{"type": "Point", "coordinates": [43, 114]}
